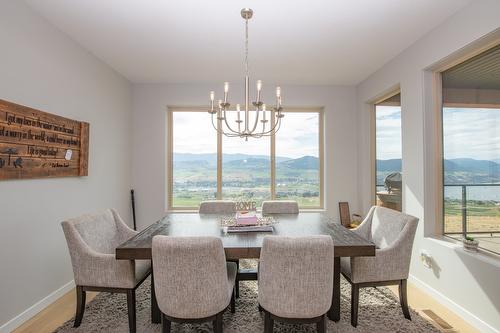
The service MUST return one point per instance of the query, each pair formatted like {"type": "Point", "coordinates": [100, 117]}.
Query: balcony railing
{"type": "Point", "coordinates": [470, 203]}
{"type": "Point", "coordinates": [478, 207]}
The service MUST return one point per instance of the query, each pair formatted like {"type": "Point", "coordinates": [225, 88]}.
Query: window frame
{"type": "Point", "coordinates": [272, 152]}
{"type": "Point", "coordinates": [434, 106]}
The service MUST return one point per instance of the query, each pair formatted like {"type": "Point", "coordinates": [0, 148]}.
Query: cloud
{"type": "Point", "coordinates": [298, 135]}
{"type": "Point", "coordinates": [467, 133]}
{"type": "Point", "coordinates": [388, 132]}
{"type": "Point", "coordinates": [471, 133]}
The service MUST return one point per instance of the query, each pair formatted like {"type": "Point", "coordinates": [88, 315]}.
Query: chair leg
{"type": "Point", "coordinates": [80, 305]}
{"type": "Point", "coordinates": [237, 282]}
{"type": "Point", "coordinates": [403, 299]}
{"type": "Point", "coordinates": [131, 310]}
{"type": "Point", "coordinates": [320, 325]}
{"type": "Point", "coordinates": [268, 323]}
{"type": "Point", "coordinates": [233, 302]}
{"type": "Point", "coordinates": [218, 323]}
{"type": "Point", "coordinates": [354, 304]}
{"type": "Point", "coordinates": [166, 325]}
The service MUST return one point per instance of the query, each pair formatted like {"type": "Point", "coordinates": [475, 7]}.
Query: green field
{"type": "Point", "coordinates": [195, 182]}
{"type": "Point", "coordinates": [482, 216]}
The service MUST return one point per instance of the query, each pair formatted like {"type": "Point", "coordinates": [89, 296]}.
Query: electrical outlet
{"type": "Point", "coordinates": [426, 258]}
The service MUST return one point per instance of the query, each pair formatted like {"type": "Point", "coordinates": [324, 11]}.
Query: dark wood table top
{"type": "Point", "coordinates": [246, 245]}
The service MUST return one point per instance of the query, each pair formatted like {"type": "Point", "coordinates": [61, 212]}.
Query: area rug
{"type": "Point", "coordinates": [379, 311]}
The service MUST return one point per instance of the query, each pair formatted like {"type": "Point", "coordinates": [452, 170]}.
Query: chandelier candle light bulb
{"type": "Point", "coordinates": [226, 90]}
{"type": "Point", "coordinates": [278, 97]}
{"type": "Point", "coordinates": [259, 87]}
{"type": "Point", "coordinates": [239, 117]}
{"type": "Point", "coordinates": [212, 96]}
{"type": "Point", "coordinates": [224, 113]}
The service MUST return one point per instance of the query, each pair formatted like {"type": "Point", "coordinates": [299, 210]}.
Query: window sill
{"type": "Point", "coordinates": [456, 245]}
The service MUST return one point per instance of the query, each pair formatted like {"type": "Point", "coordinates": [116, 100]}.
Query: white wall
{"type": "Point", "coordinates": [150, 108]}
{"type": "Point", "coordinates": [42, 68]}
{"type": "Point", "coordinates": [470, 280]}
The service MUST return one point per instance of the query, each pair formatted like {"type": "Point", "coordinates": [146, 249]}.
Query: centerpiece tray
{"type": "Point", "coordinates": [232, 224]}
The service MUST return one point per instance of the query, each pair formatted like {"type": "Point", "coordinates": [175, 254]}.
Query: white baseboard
{"type": "Point", "coordinates": [35, 308]}
{"type": "Point", "coordinates": [459, 310]}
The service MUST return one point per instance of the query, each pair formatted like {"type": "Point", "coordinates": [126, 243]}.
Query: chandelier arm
{"type": "Point", "coordinates": [230, 135]}
{"type": "Point", "coordinates": [227, 124]}
{"type": "Point", "coordinates": [276, 127]}
{"type": "Point", "coordinates": [216, 127]}
{"type": "Point", "coordinates": [256, 121]}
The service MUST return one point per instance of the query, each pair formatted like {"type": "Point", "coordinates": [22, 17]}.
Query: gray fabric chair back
{"type": "Point", "coordinates": [280, 207]}
{"type": "Point", "coordinates": [190, 276]}
{"type": "Point", "coordinates": [295, 276]}
{"type": "Point", "coordinates": [388, 224]}
{"type": "Point", "coordinates": [217, 207]}
{"type": "Point", "coordinates": [98, 230]}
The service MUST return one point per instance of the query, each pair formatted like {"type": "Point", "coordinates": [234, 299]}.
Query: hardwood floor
{"type": "Point", "coordinates": [54, 315]}
{"type": "Point", "coordinates": [64, 309]}
{"type": "Point", "coordinates": [440, 316]}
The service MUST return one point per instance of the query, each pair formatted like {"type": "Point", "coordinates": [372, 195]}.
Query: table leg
{"type": "Point", "coordinates": [155, 310]}
{"type": "Point", "coordinates": [334, 312]}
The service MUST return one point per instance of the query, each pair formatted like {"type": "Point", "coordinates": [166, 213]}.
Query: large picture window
{"type": "Point", "coordinates": [205, 165]}
{"type": "Point", "coordinates": [471, 149]}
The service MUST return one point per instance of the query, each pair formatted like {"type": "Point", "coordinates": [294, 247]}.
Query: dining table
{"type": "Point", "coordinates": [247, 245]}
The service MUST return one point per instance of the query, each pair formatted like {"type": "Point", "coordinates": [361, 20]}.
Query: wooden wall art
{"type": "Point", "coordinates": [37, 144]}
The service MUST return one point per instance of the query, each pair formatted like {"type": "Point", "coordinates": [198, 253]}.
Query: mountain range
{"type": "Point", "coordinates": [457, 170]}
{"type": "Point", "coordinates": [244, 161]}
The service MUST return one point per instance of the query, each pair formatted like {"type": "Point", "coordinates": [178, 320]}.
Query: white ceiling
{"type": "Point", "coordinates": [291, 42]}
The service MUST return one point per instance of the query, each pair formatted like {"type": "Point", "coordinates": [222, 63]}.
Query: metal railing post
{"type": "Point", "coordinates": [464, 210]}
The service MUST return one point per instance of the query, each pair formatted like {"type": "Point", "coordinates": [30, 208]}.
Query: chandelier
{"type": "Point", "coordinates": [249, 125]}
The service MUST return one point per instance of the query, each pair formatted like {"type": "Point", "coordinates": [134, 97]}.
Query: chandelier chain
{"type": "Point", "coordinates": [246, 47]}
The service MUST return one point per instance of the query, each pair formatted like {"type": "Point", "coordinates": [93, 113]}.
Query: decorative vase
{"type": "Point", "coordinates": [470, 245]}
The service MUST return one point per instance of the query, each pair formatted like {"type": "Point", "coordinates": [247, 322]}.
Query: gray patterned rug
{"type": "Point", "coordinates": [379, 311]}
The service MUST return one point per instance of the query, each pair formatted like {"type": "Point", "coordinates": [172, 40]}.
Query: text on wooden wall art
{"type": "Point", "coordinates": [37, 144]}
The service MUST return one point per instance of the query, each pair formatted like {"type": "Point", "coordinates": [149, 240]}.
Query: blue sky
{"type": "Point", "coordinates": [471, 133]}
{"type": "Point", "coordinates": [298, 136]}
{"type": "Point", "coordinates": [468, 133]}
{"type": "Point", "coordinates": [388, 123]}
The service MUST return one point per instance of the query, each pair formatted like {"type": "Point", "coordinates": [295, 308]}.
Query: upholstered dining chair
{"type": "Point", "coordinates": [226, 207]}
{"type": "Point", "coordinates": [393, 233]}
{"type": "Point", "coordinates": [280, 207]}
{"type": "Point", "coordinates": [92, 240]}
{"type": "Point", "coordinates": [217, 207]}
{"type": "Point", "coordinates": [193, 282]}
{"type": "Point", "coordinates": [296, 280]}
